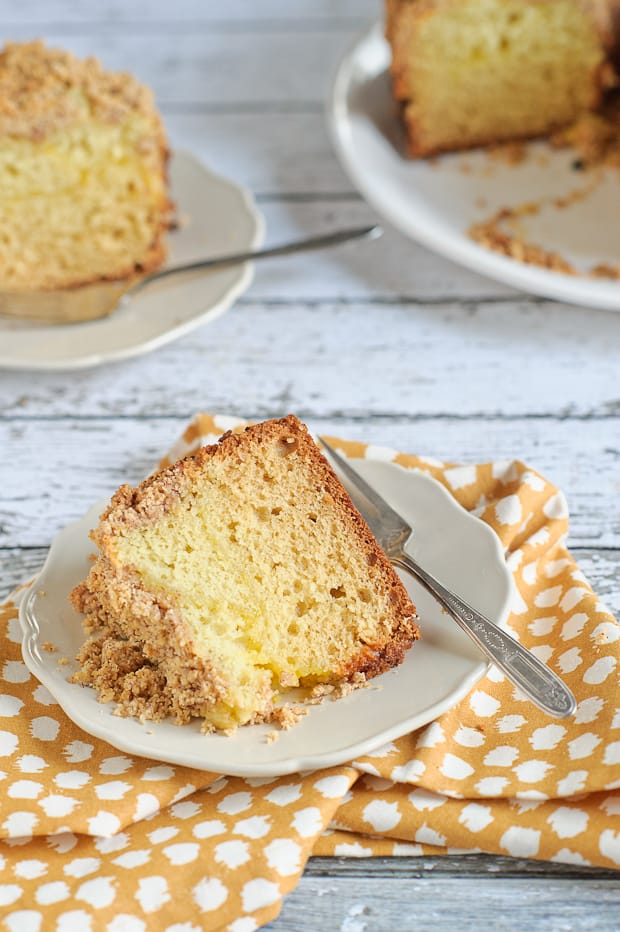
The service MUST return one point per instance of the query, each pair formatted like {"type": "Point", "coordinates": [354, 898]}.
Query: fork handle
{"type": "Point", "coordinates": [525, 670]}
{"type": "Point", "coordinates": [303, 245]}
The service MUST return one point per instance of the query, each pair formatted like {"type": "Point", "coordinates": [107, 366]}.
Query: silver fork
{"type": "Point", "coordinates": [392, 532]}
{"type": "Point", "coordinates": [71, 305]}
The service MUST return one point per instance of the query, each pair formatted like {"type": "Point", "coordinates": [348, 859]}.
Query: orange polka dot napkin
{"type": "Point", "coordinates": [92, 838]}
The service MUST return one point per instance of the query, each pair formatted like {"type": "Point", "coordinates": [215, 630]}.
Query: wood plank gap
{"type": "Point", "coordinates": [241, 107]}
{"type": "Point", "coordinates": [468, 303]}
{"type": "Point", "coordinates": [465, 865]}
{"type": "Point", "coordinates": [210, 27]}
{"type": "Point", "coordinates": [344, 416]}
{"type": "Point", "coordinates": [304, 197]}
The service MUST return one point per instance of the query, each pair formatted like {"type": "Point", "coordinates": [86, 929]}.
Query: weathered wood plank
{"type": "Point", "coordinates": [19, 566]}
{"type": "Point", "coordinates": [187, 12]}
{"type": "Point", "coordinates": [601, 568]}
{"type": "Point", "coordinates": [469, 865]}
{"type": "Point", "coordinates": [432, 902]}
{"type": "Point", "coordinates": [196, 67]}
{"type": "Point", "coordinates": [61, 466]}
{"type": "Point", "coordinates": [274, 154]}
{"type": "Point", "coordinates": [357, 360]}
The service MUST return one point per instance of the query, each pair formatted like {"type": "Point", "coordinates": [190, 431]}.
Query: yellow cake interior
{"type": "Point", "coordinates": [272, 590]}
{"type": "Point", "coordinates": [479, 71]}
{"type": "Point", "coordinates": [82, 172]}
{"type": "Point", "coordinates": [233, 576]}
{"type": "Point", "coordinates": [81, 205]}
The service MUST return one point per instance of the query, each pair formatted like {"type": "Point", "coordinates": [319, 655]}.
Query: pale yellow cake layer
{"type": "Point", "coordinates": [478, 71]}
{"type": "Point", "coordinates": [268, 582]}
{"type": "Point", "coordinates": [82, 172]}
{"type": "Point", "coordinates": [84, 204]}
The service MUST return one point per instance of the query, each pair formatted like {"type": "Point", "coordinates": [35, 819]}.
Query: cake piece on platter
{"type": "Point", "coordinates": [233, 575]}
{"type": "Point", "coordinates": [477, 72]}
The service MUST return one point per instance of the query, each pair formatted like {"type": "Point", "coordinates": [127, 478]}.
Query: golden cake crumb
{"type": "Point", "coordinates": [49, 647]}
{"type": "Point", "coordinates": [606, 271]}
{"type": "Point", "coordinates": [321, 690]}
{"type": "Point", "coordinates": [287, 715]}
{"type": "Point", "coordinates": [324, 691]}
{"type": "Point", "coordinates": [508, 153]}
{"type": "Point", "coordinates": [490, 234]}
{"type": "Point", "coordinates": [345, 689]}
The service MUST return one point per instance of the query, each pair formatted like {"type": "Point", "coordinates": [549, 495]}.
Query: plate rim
{"type": "Point", "coordinates": [245, 274]}
{"type": "Point", "coordinates": [48, 675]}
{"type": "Point", "coordinates": [556, 286]}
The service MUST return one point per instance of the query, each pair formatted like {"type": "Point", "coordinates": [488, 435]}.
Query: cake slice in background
{"type": "Point", "coordinates": [82, 172]}
{"type": "Point", "coordinates": [476, 72]}
{"type": "Point", "coordinates": [233, 575]}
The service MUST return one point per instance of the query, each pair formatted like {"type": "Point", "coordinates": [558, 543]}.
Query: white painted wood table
{"type": "Point", "coordinates": [382, 342]}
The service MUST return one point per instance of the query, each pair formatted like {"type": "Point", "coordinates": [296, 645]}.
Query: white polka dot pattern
{"type": "Point", "coordinates": [92, 838]}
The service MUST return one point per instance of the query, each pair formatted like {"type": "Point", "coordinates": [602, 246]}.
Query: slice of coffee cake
{"type": "Point", "coordinates": [233, 575]}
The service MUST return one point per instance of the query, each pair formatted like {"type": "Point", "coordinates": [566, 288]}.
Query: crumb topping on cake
{"type": "Point", "coordinates": [43, 90]}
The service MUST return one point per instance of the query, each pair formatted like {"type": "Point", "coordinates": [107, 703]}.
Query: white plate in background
{"type": "Point", "coordinates": [216, 217]}
{"type": "Point", "coordinates": [439, 670]}
{"type": "Point", "coordinates": [435, 201]}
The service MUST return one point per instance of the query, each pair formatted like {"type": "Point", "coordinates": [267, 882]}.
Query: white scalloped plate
{"type": "Point", "coordinates": [217, 217]}
{"type": "Point", "coordinates": [435, 202]}
{"type": "Point", "coordinates": [456, 547]}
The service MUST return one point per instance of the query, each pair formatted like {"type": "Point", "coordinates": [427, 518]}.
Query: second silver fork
{"type": "Point", "coordinates": [392, 532]}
